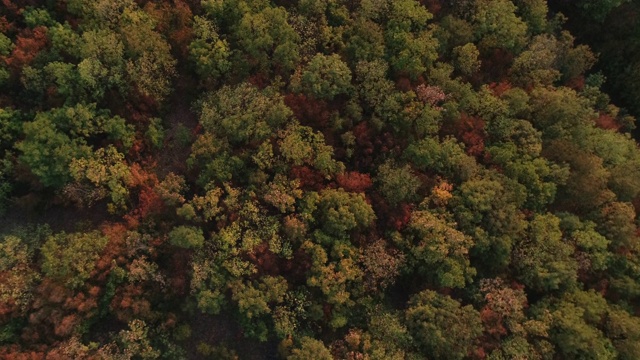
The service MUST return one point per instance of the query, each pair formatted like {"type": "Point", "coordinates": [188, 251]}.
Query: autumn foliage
{"type": "Point", "coordinates": [249, 179]}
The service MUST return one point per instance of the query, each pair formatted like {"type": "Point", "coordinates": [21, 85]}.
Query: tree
{"type": "Point", "coordinates": [310, 349]}
{"type": "Point", "coordinates": [372, 83]}
{"type": "Point", "coordinates": [136, 341]}
{"type": "Point", "coordinates": [446, 157]}
{"type": "Point", "coordinates": [187, 237]}
{"type": "Point", "coordinates": [256, 299]}
{"type": "Point", "coordinates": [599, 10]}
{"type": "Point", "coordinates": [381, 265]}
{"type": "Point", "coordinates": [487, 208]}
{"type": "Point", "coordinates": [17, 274]}
{"type": "Point", "coordinates": [70, 258]}
{"type": "Point", "coordinates": [105, 168]}
{"type": "Point", "coordinates": [534, 13]}
{"type": "Point", "coordinates": [572, 328]}
{"type": "Point", "coordinates": [103, 61]}
{"type": "Point", "coordinates": [560, 113]}
{"type": "Point", "coordinates": [338, 277]}
{"type": "Point", "coordinates": [544, 261]}
{"type": "Point", "coordinates": [540, 176]}
{"type": "Point", "coordinates": [537, 64]}
{"type": "Point", "coordinates": [150, 64]}
{"type": "Point", "coordinates": [10, 127]}
{"type": "Point", "coordinates": [282, 193]}
{"type": "Point", "coordinates": [206, 206]}
{"type": "Point", "coordinates": [365, 41]}
{"type": "Point", "coordinates": [243, 114]}
{"type": "Point", "coordinates": [55, 138]}
{"type": "Point", "coordinates": [441, 326]}
{"type": "Point", "coordinates": [28, 44]}
{"type": "Point", "coordinates": [6, 47]}
{"type": "Point", "coordinates": [48, 152]}
{"type": "Point", "coordinates": [591, 247]}
{"type": "Point", "coordinates": [324, 77]}
{"type": "Point", "coordinates": [208, 51]}
{"type": "Point", "coordinates": [437, 251]}
{"type": "Point", "coordinates": [339, 212]}
{"type": "Point", "coordinates": [497, 26]}
{"type": "Point", "coordinates": [620, 157]}
{"type": "Point", "coordinates": [586, 186]}
{"type": "Point", "coordinates": [390, 337]}
{"type": "Point", "coordinates": [268, 40]}
{"type": "Point", "coordinates": [411, 48]}
{"type": "Point", "coordinates": [301, 145]}
{"type": "Point", "coordinates": [624, 331]}
{"type": "Point", "coordinates": [354, 181]}
{"type": "Point", "coordinates": [147, 60]}
{"type": "Point", "coordinates": [397, 184]}
{"type": "Point", "coordinates": [466, 59]}
{"type": "Point", "coordinates": [618, 223]}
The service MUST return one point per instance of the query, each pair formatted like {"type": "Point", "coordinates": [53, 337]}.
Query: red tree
{"type": "Point", "coordinates": [28, 44]}
{"type": "Point", "coordinates": [354, 181]}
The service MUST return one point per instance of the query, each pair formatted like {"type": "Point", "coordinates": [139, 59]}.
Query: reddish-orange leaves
{"type": "Point", "coordinates": [470, 130]}
{"type": "Point", "coordinates": [354, 181]}
{"type": "Point", "coordinates": [28, 45]}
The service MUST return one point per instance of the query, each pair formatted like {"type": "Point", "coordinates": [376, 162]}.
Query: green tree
{"type": "Point", "coordinates": [324, 77]}
{"type": "Point", "coordinates": [372, 83]}
{"type": "Point", "coordinates": [103, 61]}
{"type": "Point", "coordinates": [55, 138]}
{"type": "Point", "coordinates": [64, 39]}
{"type": "Point", "coordinates": [487, 209]}
{"type": "Point", "coordinates": [70, 258]}
{"type": "Point", "coordinates": [537, 64]}
{"type": "Point", "coordinates": [620, 156]}
{"type": "Point", "coordinates": [208, 51]}
{"type": "Point", "coordinates": [534, 13]}
{"type": "Point", "coordinates": [105, 168]}
{"type": "Point", "coordinates": [390, 337]}
{"type": "Point", "coordinates": [339, 212]}
{"type": "Point", "coordinates": [149, 64]}
{"type": "Point", "coordinates": [618, 223]}
{"type": "Point", "coordinates": [48, 152]}
{"type": "Point", "coordinates": [437, 251]}
{"type": "Point", "coordinates": [4, 72]}
{"type": "Point", "coordinates": [365, 41]}
{"type": "Point", "coordinates": [447, 157]}
{"type": "Point", "coordinates": [411, 47]}
{"type": "Point", "coordinates": [243, 114]}
{"type": "Point", "coordinates": [301, 145]}
{"type": "Point", "coordinates": [467, 58]}
{"type": "Point", "coordinates": [187, 237]}
{"type": "Point", "coordinates": [544, 261]}
{"type": "Point", "coordinates": [136, 341]}
{"type": "Point", "coordinates": [397, 184]}
{"type": "Point", "coordinates": [497, 26]}
{"type": "Point", "coordinates": [10, 127]}
{"type": "Point", "coordinates": [624, 331]}
{"type": "Point", "coordinates": [586, 185]}
{"type": "Point", "coordinates": [310, 348]}
{"type": "Point", "coordinates": [268, 40]}
{"type": "Point", "coordinates": [560, 112]}
{"type": "Point", "coordinates": [441, 326]}
{"type": "Point", "coordinates": [257, 298]}
{"type": "Point", "coordinates": [599, 9]}
{"type": "Point", "coordinates": [591, 246]}
{"type": "Point", "coordinates": [19, 276]}
{"type": "Point", "coordinates": [572, 327]}
{"type": "Point", "coordinates": [540, 176]}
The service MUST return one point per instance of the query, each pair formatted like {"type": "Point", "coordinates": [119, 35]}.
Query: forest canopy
{"type": "Point", "coordinates": [319, 179]}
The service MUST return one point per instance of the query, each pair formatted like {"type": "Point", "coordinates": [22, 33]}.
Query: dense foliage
{"type": "Point", "coordinates": [318, 179]}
